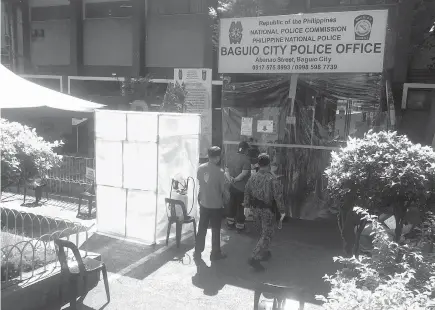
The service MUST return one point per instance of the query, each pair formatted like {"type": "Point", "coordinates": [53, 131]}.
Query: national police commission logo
{"type": "Point", "coordinates": [236, 32]}
{"type": "Point", "coordinates": [363, 27]}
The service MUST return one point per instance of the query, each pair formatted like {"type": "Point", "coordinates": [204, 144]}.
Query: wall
{"type": "Point", "coordinates": [423, 58]}
{"type": "Point", "coordinates": [107, 40]}
{"type": "Point", "coordinates": [175, 41]}
{"type": "Point", "coordinates": [53, 49]}
{"type": "Point", "coordinates": [3, 23]}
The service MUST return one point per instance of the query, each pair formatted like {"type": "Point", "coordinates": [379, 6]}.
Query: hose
{"type": "Point", "coordinates": [193, 195]}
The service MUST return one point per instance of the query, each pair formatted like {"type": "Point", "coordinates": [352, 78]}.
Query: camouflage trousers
{"type": "Point", "coordinates": [264, 221]}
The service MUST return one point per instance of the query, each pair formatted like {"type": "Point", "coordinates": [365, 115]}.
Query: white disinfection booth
{"type": "Point", "coordinates": [138, 154]}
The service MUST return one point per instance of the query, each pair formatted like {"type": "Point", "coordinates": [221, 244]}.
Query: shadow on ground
{"type": "Point", "coordinates": [117, 254]}
{"type": "Point", "coordinates": [302, 255]}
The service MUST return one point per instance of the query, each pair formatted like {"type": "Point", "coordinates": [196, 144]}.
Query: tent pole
{"type": "Point", "coordinates": [77, 139]}
{"type": "Point", "coordinates": [292, 96]}
{"type": "Point", "coordinates": [157, 178]}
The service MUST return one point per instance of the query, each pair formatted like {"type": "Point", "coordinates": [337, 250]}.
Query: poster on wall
{"type": "Point", "coordinates": [198, 100]}
{"type": "Point", "coordinates": [265, 126]}
{"type": "Point", "coordinates": [304, 43]}
{"type": "Point", "coordinates": [246, 126]}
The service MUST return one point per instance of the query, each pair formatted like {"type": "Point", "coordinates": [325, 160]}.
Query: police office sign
{"type": "Point", "coordinates": [304, 43]}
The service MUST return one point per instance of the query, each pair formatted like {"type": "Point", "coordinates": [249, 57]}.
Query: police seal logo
{"type": "Point", "coordinates": [363, 27]}
{"type": "Point", "coordinates": [236, 32]}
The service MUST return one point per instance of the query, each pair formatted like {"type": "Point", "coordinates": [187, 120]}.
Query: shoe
{"type": "Point", "coordinates": [215, 257]}
{"type": "Point", "coordinates": [255, 263]}
{"type": "Point", "coordinates": [267, 256]}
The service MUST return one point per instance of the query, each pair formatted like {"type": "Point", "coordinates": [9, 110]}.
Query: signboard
{"type": "Point", "coordinates": [90, 174]}
{"type": "Point", "coordinates": [198, 100]}
{"type": "Point", "coordinates": [265, 126]}
{"type": "Point", "coordinates": [246, 126]}
{"type": "Point", "coordinates": [78, 121]}
{"type": "Point", "coordinates": [304, 43]}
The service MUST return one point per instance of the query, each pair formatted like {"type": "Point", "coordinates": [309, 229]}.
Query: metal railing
{"type": "Point", "coordinates": [72, 169]}
{"type": "Point", "coordinates": [70, 175]}
{"type": "Point", "coordinates": [27, 243]}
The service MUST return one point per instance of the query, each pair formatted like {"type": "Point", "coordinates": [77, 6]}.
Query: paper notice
{"type": "Point", "coordinates": [290, 120]}
{"type": "Point", "coordinates": [265, 126]}
{"type": "Point", "coordinates": [246, 126]}
{"type": "Point", "coordinates": [198, 100]}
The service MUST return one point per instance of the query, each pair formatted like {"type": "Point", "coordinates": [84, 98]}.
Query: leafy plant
{"type": "Point", "coordinates": [24, 154]}
{"type": "Point", "coordinates": [394, 277]}
{"type": "Point", "coordinates": [175, 97]}
{"type": "Point", "coordinates": [383, 169]}
{"type": "Point", "coordinates": [18, 254]}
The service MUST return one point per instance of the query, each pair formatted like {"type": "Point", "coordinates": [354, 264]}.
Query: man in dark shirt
{"type": "Point", "coordinates": [211, 190]}
{"type": "Point", "coordinates": [238, 169]}
{"type": "Point", "coordinates": [262, 191]}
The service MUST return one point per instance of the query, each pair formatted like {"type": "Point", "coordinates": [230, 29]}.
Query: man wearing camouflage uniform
{"type": "Point", "coordinates": [262, 192]}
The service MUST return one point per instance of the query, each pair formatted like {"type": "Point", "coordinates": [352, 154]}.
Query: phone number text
{"type": "Point", "coordinates": [294, 67]}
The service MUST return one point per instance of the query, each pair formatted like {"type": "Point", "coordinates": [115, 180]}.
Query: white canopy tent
{"type": "Point", "coordinates": [18, 93]}
{"type": "Point", "coordinates": [52, 113]}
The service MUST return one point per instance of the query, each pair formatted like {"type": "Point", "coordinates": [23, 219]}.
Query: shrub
{"type": "Point", "coordinates": [21, 255]}
{"type": "Point", "coordinates": [382, 170]}
{"type": "Point", "coordinates": [24, 153]}
{"type": "Point", "coordinates": [175, 97]}
{"type": "Point", "coordinates": [394, 277]}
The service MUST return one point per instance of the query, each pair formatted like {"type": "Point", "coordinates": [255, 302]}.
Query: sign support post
{"type": "Point", "coordinates": [292, 96]}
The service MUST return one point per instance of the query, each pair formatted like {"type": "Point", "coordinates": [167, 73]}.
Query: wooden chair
{"type": "Point", "coordinates": [173, 218]}
{"type": "Point", "coordinates": [89, 193]}
{"type": "Point", "coordinates": [79, 270]}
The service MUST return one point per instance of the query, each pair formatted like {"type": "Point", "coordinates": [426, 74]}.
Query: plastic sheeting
{"type": "Point", "coordinates": [300, 135]}
{"type": "Point", "coordinates": [137, 156]}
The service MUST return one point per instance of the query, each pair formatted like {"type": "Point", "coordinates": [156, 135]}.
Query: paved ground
{"type": "Point", "coordinates": [51, 208]}
{"type": "Point", "coordinates": [159, 278]}
{"type": "Point", "coordinates": [144, 277]}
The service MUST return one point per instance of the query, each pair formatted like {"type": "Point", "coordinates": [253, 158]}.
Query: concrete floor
{"type": "Point", "coordinates": [160, 277]}
{"type": "Point", "coordinates": [144, 277]}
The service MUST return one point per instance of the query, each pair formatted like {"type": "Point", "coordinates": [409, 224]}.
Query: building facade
{"type": "Point", "coordinates": [88, 47]}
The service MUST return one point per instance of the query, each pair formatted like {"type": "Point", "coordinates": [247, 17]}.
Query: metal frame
{"type": "Point", "coordinates": [124, 236]}
{"type": "Point", "coordinates": [93, 78]}
{"type": "Point", "coordinates": [48, 77]}
{"type": "Point", "coordinates": [289, 146]}
{"type": "Point", "coordinates": [167, 81]}
{"type": "Point", "coordinates": [407, 86]}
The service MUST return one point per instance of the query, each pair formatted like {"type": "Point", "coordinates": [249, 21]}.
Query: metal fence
{"type": "Point", "coordinates": [27, 243]}
{"type": "Point", "coordinates": [70, 177]}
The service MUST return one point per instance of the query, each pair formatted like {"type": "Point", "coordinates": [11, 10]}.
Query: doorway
{"type": "Point", "coordinates": [418, 113]}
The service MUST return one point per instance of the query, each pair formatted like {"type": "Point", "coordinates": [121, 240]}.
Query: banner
{"type": "Point", "coordinates": [198, 100]}
{"type": "Point", "coordinates": [304, 43]}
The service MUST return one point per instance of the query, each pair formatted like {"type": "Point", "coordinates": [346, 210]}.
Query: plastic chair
{"type": "Point", "coordinates": [89, 192]}
{"type": "Point", "coordinates": [173, 218]}
{"type": "Point", "coordinates": [80, 269]}
{"type": "Point", "coordinates": [278, 294]}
